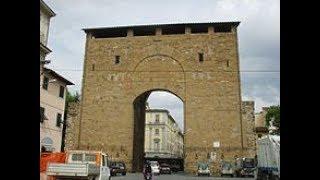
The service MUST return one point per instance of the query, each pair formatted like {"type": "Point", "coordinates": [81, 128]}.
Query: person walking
{"type": "Point", "coordinates": [147, 171]}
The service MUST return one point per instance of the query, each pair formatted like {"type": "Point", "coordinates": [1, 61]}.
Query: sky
{"type": "Point", "coordinates": [258, 36]}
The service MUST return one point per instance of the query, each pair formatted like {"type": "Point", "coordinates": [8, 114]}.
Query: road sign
{"type": "Point", "coordinates": [216, 144]}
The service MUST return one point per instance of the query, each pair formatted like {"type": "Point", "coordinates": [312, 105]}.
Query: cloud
{"type": "Point", "coordinates": [258, 33]}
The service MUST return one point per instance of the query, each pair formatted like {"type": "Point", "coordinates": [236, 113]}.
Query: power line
{"type": "Point", "coordinates": [241, 71]}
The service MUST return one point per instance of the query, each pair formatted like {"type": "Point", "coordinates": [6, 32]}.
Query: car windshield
{"type": "Point", "coordinates": [154, 163]}
{"type": "Point", "coordinates": [202, 166]}
{"type": "Point", "coordinates": [119, 165]}
{"type": "Point", "coordinates": [226, 165]}
{"type": "Point", "coordinates": [249, 163]}
{"type": "Point", "coordinates": [164, 165]}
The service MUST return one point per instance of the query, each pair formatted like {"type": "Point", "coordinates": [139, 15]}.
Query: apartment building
{"type": "Point", "coordinates": [163, 137]}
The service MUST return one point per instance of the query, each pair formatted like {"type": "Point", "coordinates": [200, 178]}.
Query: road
{"type": "Point", "coordinates": [138, 176]}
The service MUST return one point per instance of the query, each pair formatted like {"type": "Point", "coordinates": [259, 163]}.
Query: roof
{"type": "Point", "coordinates": [44, 48]}
{"type": "Point", "coordinates": [55, 74]}
{"type": "Point", "coordinates": [101, 29]}
{"type": "Point", "coordinates": [157, 110]}
{"type": "Point", "coordinates": [45, 7]}
{"type": "Point", "coordinates": [166, 111]}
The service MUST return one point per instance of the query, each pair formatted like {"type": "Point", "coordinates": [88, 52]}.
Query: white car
{"type": "Point", "coordinates": [155, 167]}
{"type": "Point", "coordinates": [227, 169]}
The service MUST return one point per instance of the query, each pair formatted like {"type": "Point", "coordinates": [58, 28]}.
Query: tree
{"type": "Point", "coordinates": [273, 113]}
{"type": "Point", "coordinates": [72, 98]}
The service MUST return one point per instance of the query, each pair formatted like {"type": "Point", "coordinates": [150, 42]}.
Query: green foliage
{"type": "Point", "coordinates": [72, 97]}
{"type": "Point", "coordinates": [273, 113]}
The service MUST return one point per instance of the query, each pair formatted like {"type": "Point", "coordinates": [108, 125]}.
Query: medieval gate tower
{"type": "Point", "coordinates": [198, 62]}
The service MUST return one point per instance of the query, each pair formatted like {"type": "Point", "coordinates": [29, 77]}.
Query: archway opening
{"type": "Point", "coordinates": [158, 130]}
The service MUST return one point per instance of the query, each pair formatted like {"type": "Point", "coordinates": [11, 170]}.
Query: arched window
{"type": "Point", "coordinates": [47, 144]}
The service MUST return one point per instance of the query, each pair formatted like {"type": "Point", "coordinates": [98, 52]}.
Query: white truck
{"type": "Point", "coordinates": [268, 154]}
{"type": "Point", "coordinates": [89, 165]}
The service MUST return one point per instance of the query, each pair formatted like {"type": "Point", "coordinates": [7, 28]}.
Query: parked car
{"type": "Point", "coordinates": [165, 168]}
{"type": "Point", "coordinates": [118, 168]}
{"type": "Point", "coordinates": [227, 169]}
{"type": "Point", "coordinates": [203, 169]}
{"type": "Point", "coordinates": [175, 167]}
{"type": "Point", "coordinates": [155, 167]}
{"type": "Point", "coordinates": [245, 167]}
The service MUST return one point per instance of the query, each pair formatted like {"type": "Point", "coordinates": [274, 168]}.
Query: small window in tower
{"type": "Point", "coordinates": [228, 64]}
{"type": "Point", "coordinates": [93, 67]}
{"type": "Point", "coordinates": [200, 57]}
{"type": "Point", "coordinates": [117, 60]}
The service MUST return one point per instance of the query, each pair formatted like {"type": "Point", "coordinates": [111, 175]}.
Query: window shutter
{"type": "Point", "coordinates": [61, 93]}
{"type": "Point", "coordinates": [45, 83]}
{"type": "Point", "coordinates": [41, 114]}
{"type": "Point", "coordinates": [58, 123]}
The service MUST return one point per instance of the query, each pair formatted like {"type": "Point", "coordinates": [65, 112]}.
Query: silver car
{"type": "Point", "coordinates": [203, 169]}
{"type": "Point", "coordinates": [227, 169]}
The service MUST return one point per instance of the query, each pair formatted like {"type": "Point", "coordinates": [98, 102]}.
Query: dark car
{"type": "Point", "coordinates": [175, 167]}
{"type": "Point", "coordinates": [165, 169]}
{"type": "Point", "coordinates": [118, 168]}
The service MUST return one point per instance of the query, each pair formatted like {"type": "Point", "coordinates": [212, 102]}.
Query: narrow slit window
{"type": "Point", "coordinates": [117, 60]}
{"type": "Point", "coordinates": [93, 67]}
{"type": "Point", "coordinates": [200, 57]}
{"type": "Point", "coordinates": [228, 64]}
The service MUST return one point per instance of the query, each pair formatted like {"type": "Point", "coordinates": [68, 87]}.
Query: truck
{"type": "Point", "coordinates": [268, 156]}
{"type": "Point", "coordinates": [81, 164]}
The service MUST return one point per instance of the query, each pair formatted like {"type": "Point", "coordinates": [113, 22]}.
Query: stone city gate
{"type": "Point", "coordinates": [197, 62]}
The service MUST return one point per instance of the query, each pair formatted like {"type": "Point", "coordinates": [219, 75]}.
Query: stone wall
{"type": "Point", "coordinates": [210, 91]}
{"type": "Point", "coordinates": [72, 130]}
{"type": "Point", "coordinates": [248, 122]}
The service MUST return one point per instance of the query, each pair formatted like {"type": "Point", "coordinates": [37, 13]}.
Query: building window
{"type": "Point", "coordinates": [157, 131]}
{"type": "Point", "coordinates": [77, 157]}
{"type": "Point", "coordinates": [200, 57]}
{"type": "Point", "coordinates": [157, 118]}
{"type": "Point", "coordinates": [228, 64]}
{"type": "Point", "coordinates": [42, 117]}
{"type": "Point", "coordinates": [61, 93]}
{"type": "Point", "coordinates": [117, 60]}
{"type": "Point", "coordinates": [59, 120]}
{"type": "Point", "coordinates": [156, 144]}
{"type": "Point", "coordinates": [45, 83]}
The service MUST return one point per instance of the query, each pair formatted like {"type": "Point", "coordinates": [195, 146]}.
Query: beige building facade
{"type": "Point", "coordinates": [52, 91]}
{"type": "Point", "coordinates": [260, 122]}
{"type": "Point", "coordinates": [46, 14]}
{"type": "Point", "coordinates": [163, 137]}
{"type": "Point", "coordinates": [52, 105]}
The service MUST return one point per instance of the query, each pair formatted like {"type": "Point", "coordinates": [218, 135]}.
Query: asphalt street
{"type": "Point", "coordinates": [180, 176]}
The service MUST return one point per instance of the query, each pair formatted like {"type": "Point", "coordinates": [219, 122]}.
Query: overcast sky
{"type": "Point", "coordinates": [259, 37]}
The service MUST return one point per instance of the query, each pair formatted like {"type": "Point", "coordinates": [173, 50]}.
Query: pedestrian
{"type": "Point", "coordinates": [147, 172]}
